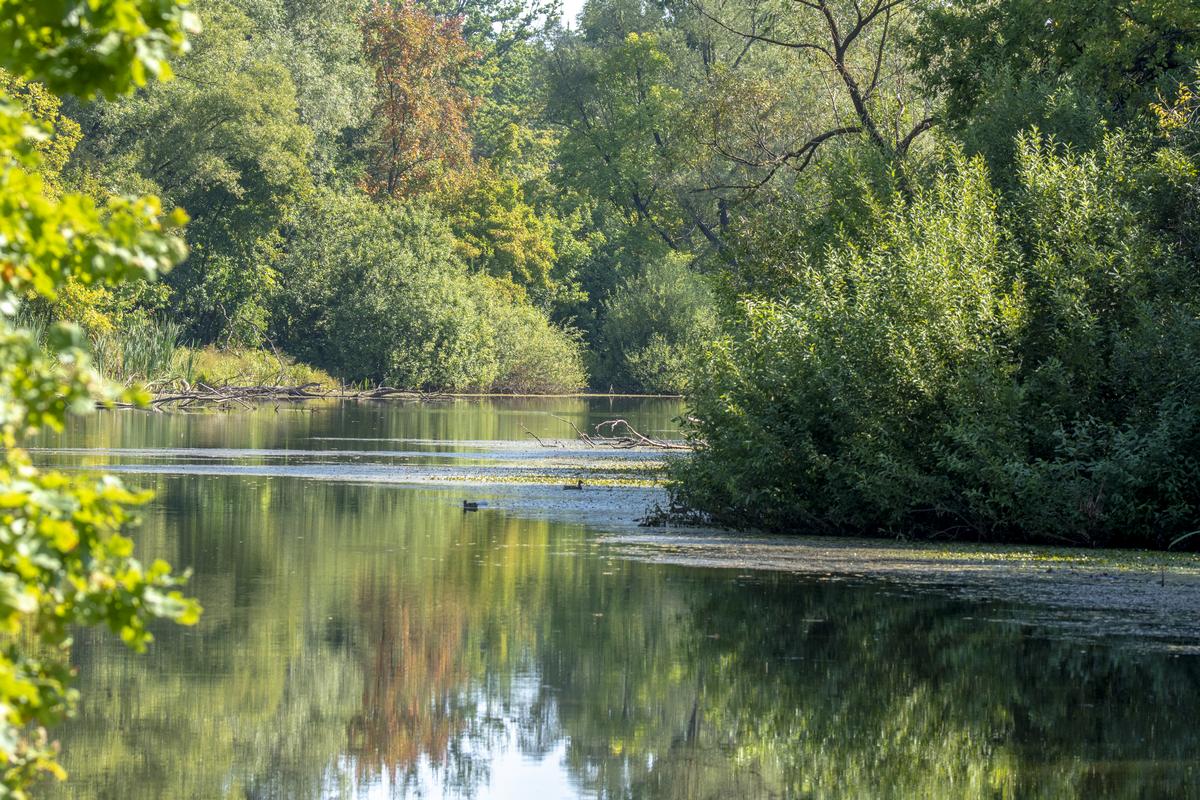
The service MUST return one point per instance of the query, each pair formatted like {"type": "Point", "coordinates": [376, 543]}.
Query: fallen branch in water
{"type": "Point", "coordinates": [583, 437]}
{"type": "Point", "coordinates": [202, 394]}
{"type": "Point", "coordinates": [622, 435]}
{"type": "Point", "coordinates": [539, 439]}
{"type": "Point", "coordinates": [617, 434]}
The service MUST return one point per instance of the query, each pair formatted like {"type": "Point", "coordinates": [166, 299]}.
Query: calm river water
{"type": "Point", "coordinates": [364, 637]}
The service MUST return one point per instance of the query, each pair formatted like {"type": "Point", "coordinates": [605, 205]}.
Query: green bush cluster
{"type": "Point", "coordinates": [1019, 364]}
{"type": "Point", "coordinates": [653, 325]}
{"type": "Point", "coordinates": [377, 291]}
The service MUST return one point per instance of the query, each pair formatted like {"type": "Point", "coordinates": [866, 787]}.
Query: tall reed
{"type": "Point", "coordinates": [138, 352]}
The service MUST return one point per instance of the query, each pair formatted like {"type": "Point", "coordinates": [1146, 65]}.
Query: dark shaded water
{"type": "Point", "coordinates": [363, 637]}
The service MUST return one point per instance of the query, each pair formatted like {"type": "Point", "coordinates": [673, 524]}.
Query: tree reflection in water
{"type": "Point", "coordinates": [364, 636]}
{"type": "Point", "coordinates": [416, 699]}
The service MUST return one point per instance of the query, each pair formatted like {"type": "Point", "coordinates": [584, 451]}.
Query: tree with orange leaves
{"type": "Point", "coordinates": [420, 133]}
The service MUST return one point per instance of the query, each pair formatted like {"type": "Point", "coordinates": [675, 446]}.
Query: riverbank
{"type": "Point", "coordinates": [184, 395]}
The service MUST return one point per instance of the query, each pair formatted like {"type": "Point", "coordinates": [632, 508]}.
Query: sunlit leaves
{"type": "Point", "coordinates": [86, 47]}
{"type": "Point", "coordinates": [1074, 68]}
{"type": "Point", "coordinates": [63, 558]}
{"type": "Point", "coordinates": [504, 234]}
{"type": "Point", "coordinates": [973, 363]}
{"type": "Point", "coordinates": [378, 290]}
{"type": "Point", "coordinates": [64, 562]}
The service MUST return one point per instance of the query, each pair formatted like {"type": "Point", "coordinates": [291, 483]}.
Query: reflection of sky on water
{"type": "Point", "coordinates": [510, 771]}
{"type": "Point", "coordinates": [513, 776]}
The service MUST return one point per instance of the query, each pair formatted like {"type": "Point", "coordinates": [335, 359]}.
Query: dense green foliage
{"type": "Point", "coordinates": [1021, 366]}
{"type": "Point", "coordinates": [275, 122]}
{"type": "Point", "coordinates": [378, 292]}
{"type": "Point", "coordinates": [64, 561]}
{"type": "Point", "coordinates": [998, 339]}
{"type": "Point", "coordinates": [1072, 68]}
{"type": "Point", "coordinates": [225, 142]}
{"type": "Point", "coordinates": [654, 325]}
{"type": "Point", "coordinates": [452, 122]}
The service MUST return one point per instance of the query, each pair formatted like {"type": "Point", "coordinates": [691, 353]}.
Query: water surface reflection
{"type": "Point", "coordinates": [363, 639]}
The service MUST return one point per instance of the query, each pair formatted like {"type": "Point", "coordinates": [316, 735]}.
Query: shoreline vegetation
{"type": "Point", "coordinates": [147, 357]}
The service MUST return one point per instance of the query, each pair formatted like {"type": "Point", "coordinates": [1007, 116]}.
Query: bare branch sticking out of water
{"type": "Point", "coordinates": [539, 439]}
{"type": "Point", "coordinates": [620, 434]}
{"type": "Point", "coordinates": [617, 434]}
{"type": "Point", "coordinates": [583, 437]}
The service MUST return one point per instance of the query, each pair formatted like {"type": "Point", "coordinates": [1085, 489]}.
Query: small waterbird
{"type": "Point", "coordinates": [578, 485]}
{"type": "Point", "coordinates": [473, 505]}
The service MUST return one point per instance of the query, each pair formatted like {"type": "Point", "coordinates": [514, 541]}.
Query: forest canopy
{"type": "Point", "coordinates": [920, 267]}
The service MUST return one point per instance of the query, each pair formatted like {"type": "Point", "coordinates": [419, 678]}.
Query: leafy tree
{"type": "Point", "coordinates": [86, 305]}
{"type": "Point", "coordinates": [700, 125]}
{"type": "Point", "coordinates": [510, 224]}
{"type": "Point", "coordinates": [225, 141]}
{"type": "Point", "coordinates": [654, 325]}
{"type": "Point", "coordinates": [622, 113]}
{"type": "Point", "coordinates": [508, 37]}
{"type": "Point", "coordinates": [63, 559]}
{"type": "Point", "coordinates": [419, 123]}
{"type": "Point", "coordinates": [1070, 67]}
{"type": "Point", "coordinates": [59, 134]}
{"type": "Point", "coordinates": [684, 115]}
{"type": "Point", "coordinates": [511, 217]}
{"type": "Point", "coordinates": [320, 43]}
{"type": "Point", "coordinates": [504, 234]}
{"type": "Point", "coordinates": [377, 291]}
{"type": "Point", "coordinates": [853, 42]}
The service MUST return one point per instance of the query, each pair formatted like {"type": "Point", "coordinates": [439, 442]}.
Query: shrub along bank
{"type": "Point", "coordinates": [1018, 363]}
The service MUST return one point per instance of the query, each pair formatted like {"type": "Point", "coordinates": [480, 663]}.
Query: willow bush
{"type": "Point", "coordinates": [1021, 365]}
{"type": "Point", "coordinates": [653, 325]}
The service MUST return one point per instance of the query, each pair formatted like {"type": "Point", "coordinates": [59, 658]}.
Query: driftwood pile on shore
{"type": "Point", "coordinates": [203, 395]}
